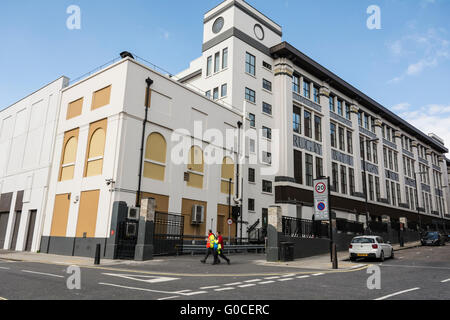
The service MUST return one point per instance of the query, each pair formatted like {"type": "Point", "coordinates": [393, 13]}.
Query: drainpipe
{"type": "Point", "coordinates": [147, 106]}
{"type": "Point", "coordinates": [238, 176]}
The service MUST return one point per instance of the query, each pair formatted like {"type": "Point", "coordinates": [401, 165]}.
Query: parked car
{"type": "Point", "coordinates": [370, 247]}
{"type": "Point", "coordinates": [433, 238]}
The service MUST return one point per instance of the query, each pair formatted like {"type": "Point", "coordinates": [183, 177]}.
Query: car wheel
{"type": "Point", "coordinates": [382, 256]}
{"type": "Point", "coordinates": [392, 254]}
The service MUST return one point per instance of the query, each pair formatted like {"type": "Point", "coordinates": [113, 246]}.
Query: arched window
{"type": "Point", "coordinates": [196, 168]}
{"type": "Point", "coordinates": [96, 152]}
{"type": "Point", "coordinates": [69, 155]}
{"type": "Point", "coordinates": [95, 149]}
{"type": "Point", "coordinates": [155, 157]}
{"type": "Point", "coordinates": [227, 174]}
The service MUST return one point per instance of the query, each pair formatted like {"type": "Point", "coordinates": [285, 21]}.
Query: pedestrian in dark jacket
{"type": "Point", "coordinates": [221, 248]}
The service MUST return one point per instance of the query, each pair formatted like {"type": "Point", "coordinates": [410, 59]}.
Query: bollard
{"type": "Point", "coordinates": [335, 258]}
{"type": "Point", "coordinates": [97, 254]}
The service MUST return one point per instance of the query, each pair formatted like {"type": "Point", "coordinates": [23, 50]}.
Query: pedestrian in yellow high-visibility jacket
{"type": "Point", "coordinates": [209, 246]}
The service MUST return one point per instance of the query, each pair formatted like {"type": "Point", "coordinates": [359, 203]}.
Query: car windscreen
{"type": "Point", "coordinates": [363, 240]}
{"type": "Point", "coordinates": [431, 236]}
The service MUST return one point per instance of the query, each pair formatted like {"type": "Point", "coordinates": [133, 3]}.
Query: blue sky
{"type": "Point", "coordinates": [405, 66]}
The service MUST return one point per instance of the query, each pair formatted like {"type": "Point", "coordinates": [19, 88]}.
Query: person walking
{"type": "Point", "coordinates": [210, 247]}
{"type": "Point", "coordinates": [221, 247]}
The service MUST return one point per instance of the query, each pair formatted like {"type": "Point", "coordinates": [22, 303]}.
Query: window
{"type": "Point", "coordinates": [390, 159]}
{"type": "Point", "coordinates": [196, 168]}
{"type": "Point", "coordinates": [318, 128]}
{"type": "Point", "coordinates": [360, 115]}
{"type": "Point", "coordinates": [366, 121]}
{"type": "Point", "coordinates": [250, 95]}
{"type": "Point", "coordinates": [335, 176]}
{"type": "Point", "coordinates": [375, 153]}
{"type": "Point", "coordinates": [339, 108]}
{"type": "Point", "coordinates": [395, 162]}
{"type": "Point", "coordinates": [351, 174]}
{"type": "Point", "coordinates": [341, 139]}
{"type": "Point", "coordinates": [267, 186]}
{"type": "Point", "coordinates": [347, 111]}
{"type": "Point", "coordinates": [369, 151]}
{"type": "Point", "coordinates": [306, 89]}
{"type": "Point", "coordinates": [101, 98]}
{"type": "Point", "coordinates": [298, 167]}
{"type": "Point", "coordinates": [267, 85]}
{"type": "Point", "coordinates": [224, 90]}
{"type": "Point", "coordinates": [319, 168]}
{"type": "Point", "coordinates": [388, 192]}
{"type": "Point", "coordinates": [316, 95]}
{"type": "Point", "coordinates": [227, 175]}
{"type": "Point", "coordinates": [252, 118]}
{"type": "Point", "coordinates": [308, 124]}
{"type": "Point", "coordinates": [252, 146]}
{"type": "Point", "coordinates": [216, 93]}
{"type": "Point", "coordinates": [250, 63]}
{"type": "Point", "coordinates": [217, 62]}
{"type": "Point", "coordinates": [332, 104]}
{"type": "Point", "coordinates": [296, 84]}
{"type": "Point", "coordinates": [74, 109]}
{"type": "Point", "coordinates": [394, 199]}
{"type": "Point", "coordinates": [267, 65]}
{"type": "Point", "coordinates": [371, 190]}
{"type": "Point", "coordinates": [267, 133]}
{"type": "Point", "coordinates": [385, 158]}
{"type": "Point", "coordinates": [297, 118]}
{"type": "Point", "coordinates": [69, 155]}
{"type": "Point", "coordinates": [225, 58]}
{"type": "Point", "coordinates": [377, 188]}
{"type": "Point", "coordinates": [155, 157]}
{"type": "Point", "coordinates": [209, 66]}
{"type": "Point", "coordinates": [96, 149]}
{"type": "Point", "coordinates": [251, 175]}
{"type": "Point", "coordinates": [267, 108]}
{"type": "Point", "coordinates": [333, 135]}
{"type": "Point", "coordinates": [251, 205]}
{"type": "Point", "coordinates": [208, 94]}
{"type": "Point", "coordinates": [350, 142]}
{"type": "Point", "coordinates": [267, 157]}
{"type": "Point", "coordinates": [343, 179]}
{"type": "Point", "coordinates": [399, 195]}
{"type": "Point", "coordinates": [309, 169]}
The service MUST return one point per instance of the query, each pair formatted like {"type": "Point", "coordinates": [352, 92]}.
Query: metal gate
{"type": "Point", "coordinates": [127, 234]}
{"type": "Point", "coordinates": [168, 235]}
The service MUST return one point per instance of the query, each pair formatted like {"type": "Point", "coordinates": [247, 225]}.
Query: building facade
{"type": "Point", "coordinates": [252, 122]}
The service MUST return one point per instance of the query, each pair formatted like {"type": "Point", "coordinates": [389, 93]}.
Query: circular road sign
{"type": "Point", "coordinates": [321, 187]}
{"type": "Point", "coordinates": [321, 206]}
{"type": "Point", "coordinates": [230, 222]}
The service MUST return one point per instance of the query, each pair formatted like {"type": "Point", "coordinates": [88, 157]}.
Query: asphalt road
{"type": "Point", "coordinates": [415, 274]}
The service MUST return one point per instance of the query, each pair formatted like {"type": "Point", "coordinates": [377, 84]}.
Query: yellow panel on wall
{"type": "Point", "coordinates": [94, 168]}
{"type": "Point", "coordinates": [97, 145]}
{"type": "Point", "coordinates": [154, 171]}
{"type": "Point", "coordinates": [101, 98]}
{"type": "Point", "coordinates": [156, 148]}
{"type": "Point", "coordinates": [87, 214]}
{"type": "Point", "coordinates": [195, 181]}
{"type": "Point", "coordinates": [67, 173]}
{"type": "Point", "coordinates": [224, 187]}
{"type": "Point", "coordinates": [196, 160]}
{"type": "Point", "coordinates": [74, 109]}
{"type": "Point", "coordinates": [68, 155]}
{"type": "Point", "coordinates": [60, 215]}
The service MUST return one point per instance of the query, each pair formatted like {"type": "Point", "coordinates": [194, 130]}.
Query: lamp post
{"type": "Point", "coordinates": [417, 201]}
{"type": "Point", "coordinates": [365, 141]}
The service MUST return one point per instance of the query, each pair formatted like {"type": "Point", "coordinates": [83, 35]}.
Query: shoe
{"type": "Point", "coordinates": [229, 262]}
{"type": "Point", "coordinates": [203, 261]}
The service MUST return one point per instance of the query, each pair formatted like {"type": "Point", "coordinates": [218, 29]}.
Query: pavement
{"type": "Point", "coordinates": [257, 262]}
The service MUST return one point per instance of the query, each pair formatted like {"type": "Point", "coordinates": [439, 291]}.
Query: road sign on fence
{"type": "Point", "coordinates": [321, 199]}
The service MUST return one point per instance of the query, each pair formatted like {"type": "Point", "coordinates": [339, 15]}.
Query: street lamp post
{"type": "Point", "coordinates": [365, 141]}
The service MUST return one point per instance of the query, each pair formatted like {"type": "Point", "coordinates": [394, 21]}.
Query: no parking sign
{"type": "Point", "coordinates": [321, 199]}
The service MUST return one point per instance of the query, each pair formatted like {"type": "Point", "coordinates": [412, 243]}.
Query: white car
{"type": "Point", "coordinates": [370, 247]}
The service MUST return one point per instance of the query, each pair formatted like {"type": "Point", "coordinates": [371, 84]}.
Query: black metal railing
{"type": "Point", "coordinates": [301, 228]}
{"type": "Point", "coordinates": [168, 233]}
{"type": "Point", "coordinates": [344, 225]}
{"type": "Point", "coordinates": [380, 227]}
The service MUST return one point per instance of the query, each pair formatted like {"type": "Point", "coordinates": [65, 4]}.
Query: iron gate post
{"type": "Point", "coordinates": [144, 247]}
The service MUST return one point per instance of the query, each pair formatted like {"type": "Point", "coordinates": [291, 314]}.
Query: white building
{"type": "Point", "coordinates": [27, 131]}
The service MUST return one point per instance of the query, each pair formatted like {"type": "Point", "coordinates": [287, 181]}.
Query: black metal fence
{"type": "Point", "coordinates": [168, 234]}
{"type": "Point", "coordinates": [348, 226]}
{"type": "Point", "coordinates": [301, 228]}
{"type": "Point", "coordinates": [127, 234]}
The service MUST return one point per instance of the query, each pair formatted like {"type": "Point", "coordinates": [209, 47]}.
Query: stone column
{"type": "Point", "coordinates": [119, 215]}
{"type": "Point", "coordinates": [274, 228]}
{"type": "Point", "coordinates": [433, 204]}
{"type": "Point", "coordinates": [324, 93]}
{"type": "Point", "coordinates": [144, 248]}
{"type": "Point", "coordinates": [356, 150]}
{"type": "Point", "coordinates": [419, 200]}
{"type": "Point", "coordinates": [381, 168]}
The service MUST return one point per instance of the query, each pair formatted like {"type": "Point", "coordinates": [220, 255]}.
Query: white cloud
{"type": "Point", "coordinates": [401, 106]}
